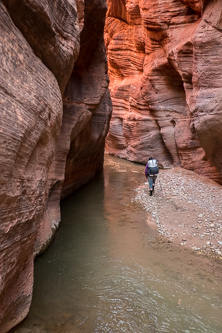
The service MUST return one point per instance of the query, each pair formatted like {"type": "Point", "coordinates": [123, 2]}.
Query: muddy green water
{"type": "Point", "coordinates": [106, 271]}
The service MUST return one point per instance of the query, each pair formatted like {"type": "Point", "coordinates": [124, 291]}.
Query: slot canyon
{"type": "Point", "coordinates": [133, 78]}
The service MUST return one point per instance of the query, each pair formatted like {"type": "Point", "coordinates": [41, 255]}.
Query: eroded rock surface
{"type": "Point", "coordinates": [52, 30]}
{"type": "Point", "coordinates": [87, 103]}
{"type": "Point", "coordinates": [40, 43]}
{"type": "Point", "coordinates": [165, 82]}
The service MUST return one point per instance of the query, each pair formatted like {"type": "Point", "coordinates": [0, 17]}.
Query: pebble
{"type": "Point", "coordinates": [181, 196]}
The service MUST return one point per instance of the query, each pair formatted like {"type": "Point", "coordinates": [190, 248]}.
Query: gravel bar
{"type": "Point", "coordinates": [186, 209]}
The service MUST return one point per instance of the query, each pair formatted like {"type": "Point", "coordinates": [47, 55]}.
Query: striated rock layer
{"type": "Point", "coordinates": [55, 110]}
{"type": "Point", "coordinates": [164, 60]}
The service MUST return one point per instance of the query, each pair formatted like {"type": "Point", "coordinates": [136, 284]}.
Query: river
{"type": "Point", "coordinates": [106, 270]}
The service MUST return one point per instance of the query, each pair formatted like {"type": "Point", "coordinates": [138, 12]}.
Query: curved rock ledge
{"type": "Point", "coordinates": [165, 82]}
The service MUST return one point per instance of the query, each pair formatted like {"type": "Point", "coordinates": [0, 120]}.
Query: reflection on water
{"type": "Point", "coordinates": [106, 272]}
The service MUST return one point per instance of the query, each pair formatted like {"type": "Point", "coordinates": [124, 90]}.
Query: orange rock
{"type": "Point", "coordinates": [163, 61]}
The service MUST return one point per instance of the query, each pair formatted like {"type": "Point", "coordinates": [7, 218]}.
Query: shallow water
{"type": "Point", "coordinates": [107, 272]}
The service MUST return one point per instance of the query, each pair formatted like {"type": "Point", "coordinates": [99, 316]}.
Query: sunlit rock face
{"type": "Point", "coordinates": [53, 105]}
{"type": "Point", "coordinates": [165, 82]}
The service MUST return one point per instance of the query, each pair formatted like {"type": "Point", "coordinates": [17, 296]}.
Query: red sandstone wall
{"type": "Point", "coordinates": [164, 60]}
{"type": "Point", "coordinates": [47, 131]}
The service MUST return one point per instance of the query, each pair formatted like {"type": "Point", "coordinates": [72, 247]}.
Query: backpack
{"type": "Point", "coordinates": [152, 167]}
{"type": "Point", "coordinates": [152, 171]}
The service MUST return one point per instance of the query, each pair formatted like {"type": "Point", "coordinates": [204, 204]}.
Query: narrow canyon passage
{"type": "Point", "coordinates": [107, 272]}
{"type": "Point", "coordinates": [142, 78]}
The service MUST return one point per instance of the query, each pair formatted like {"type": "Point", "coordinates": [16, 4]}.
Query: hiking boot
{"type": "Point", "coordinates": [151, 192]}
{"type": "Point", "coordinates": [153, 188]}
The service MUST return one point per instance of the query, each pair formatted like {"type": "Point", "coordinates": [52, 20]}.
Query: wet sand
{"type": "Point", "coordinates": [186, 209]}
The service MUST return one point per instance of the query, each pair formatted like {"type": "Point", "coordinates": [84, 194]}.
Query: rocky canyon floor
{"type": "Point", "coordinates": [186, 209]}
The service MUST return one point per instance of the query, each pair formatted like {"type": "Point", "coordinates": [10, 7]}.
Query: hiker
{"type": "Point", "coordinates": [151, 172]}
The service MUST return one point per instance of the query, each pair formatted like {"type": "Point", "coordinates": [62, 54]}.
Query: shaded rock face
{"type": "Point", "coordinates": [165, 82]}
{"type": "Point", "coordinates": [87, 102]}
{"type": "Point", "coordinates": [52, 30]}
{"type": "Point", "coordinates": [55, 110]}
